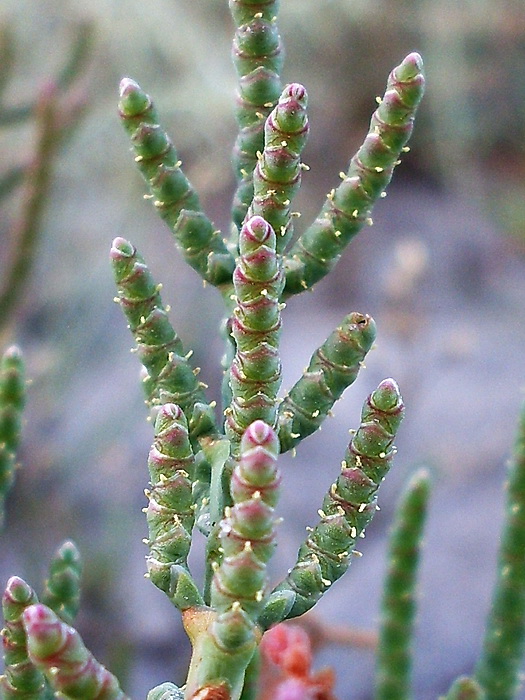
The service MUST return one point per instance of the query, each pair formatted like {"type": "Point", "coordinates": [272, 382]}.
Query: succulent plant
{"type": "Point", "coordinates": [213, 464]}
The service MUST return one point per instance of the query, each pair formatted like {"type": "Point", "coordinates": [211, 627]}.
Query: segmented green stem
{"type": "Point", "coordinates": [21, 680]}
{"type": "Point", "coordinates": [348, 506]}
{"type": "Point", "coordinates": [465, 688]}
{"type": "Point", "coordinates": [333, 367]}
{"type": "Point", "coordinates": [396, 631]}
{"type": "Point", "coordinates": [58, 651]}
{"type": "Point", "coordinates": [223, 646]}
{"type": "Point", "coordinates": [247, 536]}
{"type": "Point", "coordinates": [173, 195]}
{"type": "Point", "coordinates": [171, 512]}
{"type": "Point", "coordinates": [255, 375]}
{"type": "Point", "coordinates": [348, 207]}
{"type": "Point", "coordinates": [497, 671]}
{"type": "Point", "coordinates": [258, 57]}
{"type": "Point", "coordinates": [62, 588]}
{"type": "Point", "coordinates": [277, 175]}
{"type": "Point", "coordinates": [170, 377]}
{"type": "Point", "coordinates": [12, 400]}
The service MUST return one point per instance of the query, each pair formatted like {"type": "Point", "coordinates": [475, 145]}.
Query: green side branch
{"type": "Point", "coordinates": [348, 507]}
{"type": "Point", "coordinates": [348, 206]}
{"type": "Point", "coordinates": [277, 175]}
{"type": "Point", "coordinates": [173, 195]}
{"type": "Point", "coordinates": [12, 401]}
{"type": "Point", "coordinates": [62, 588]}
{"type": "Point", "coordinates": [399, 603]}
{"type": "Point", "coordinates": [255, 375]}
{"type": "Point", "coordinates": [21, 679]}
{"type": "Point", "coordinates": [497, 671]}
{"type": "Point", "coordinates": [57, 650]}
{"type": "Point", "coordinates": [247, 531]}
{"type": "Point", "coordinates": [332, 368]}
{"type": "Point", "coordinates": [170, 377]}
{"type": "Point", "coordinates": [171, 511]}
{"type": "Point", "coordinates": [258, 57]}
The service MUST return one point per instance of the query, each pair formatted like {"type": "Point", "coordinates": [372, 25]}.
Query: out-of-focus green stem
{"type": "Point", "coordinates": [497, 671]}
{"type": "Point", "coordinates": [12, 400]}
{"type": "Point", "coordinates": [62, 589]}
{"type": "Point", "coordinates": [394, 650]}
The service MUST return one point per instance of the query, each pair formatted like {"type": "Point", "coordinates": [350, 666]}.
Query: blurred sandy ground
{"type": "Point", "coordinates": [441, 271]}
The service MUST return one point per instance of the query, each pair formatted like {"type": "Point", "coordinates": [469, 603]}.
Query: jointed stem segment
{"type": "Point", "coordinates": [258, 58]}
{"type": "Point", "coordinates": [255, 375]}
{"type": "Point", "coordinates": [174, 197]}
{"type": "Point", "coordinates": [349, 504]}
{"type": "Point", "coordinates": [348, 207]}
{"type": "Point", "coordinates": [277, 175]}
{"type": "Point", "coordinates": [333, 367]}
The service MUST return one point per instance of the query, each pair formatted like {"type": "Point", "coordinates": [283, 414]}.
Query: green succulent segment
{"type": "Point", "coordinates": [255, 375]}
{"type": "Point", "coordinates": [348, 207]}
{"type": "Point", "coordinates": [258, 58]}
{"type": "Point", "coordinates": [348, 506]}
{"type": "Point", "coordinates": [223, 647]}
{"type": "Point", "coordinates": [465, 688]}
{"type": "Point", "coordinates": [62, 589]}
{"type": "Point", "coordinates": [333, 367]}
{"type": "Point", "coordinates": [246, 534]}
{"type": "Point", "coordinates": [12, 400]}
{"type": "Point", "coordinates": [21, 679]}
{"type": "Point", "coordinates": [394, 655]}
{"type": "Point", "coordinates": [170, 377]}
{"type": "Point", "coordinates": [170, 513]}
{"type": "Point", "coordinates": [497, 671]}
{"type": "Point", "coordinates": [277, 175]}
{"type": "Point", "coordinates": [58, 651]}
{"type": "Point", "coordinates": [174, 197]}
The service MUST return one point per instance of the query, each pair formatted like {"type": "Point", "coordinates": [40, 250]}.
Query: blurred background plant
{"type": "Point", "coordinates": [441, 271]}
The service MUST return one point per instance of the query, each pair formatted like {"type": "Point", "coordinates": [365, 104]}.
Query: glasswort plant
{"type": "Point", "coordinates": [215, 469]}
